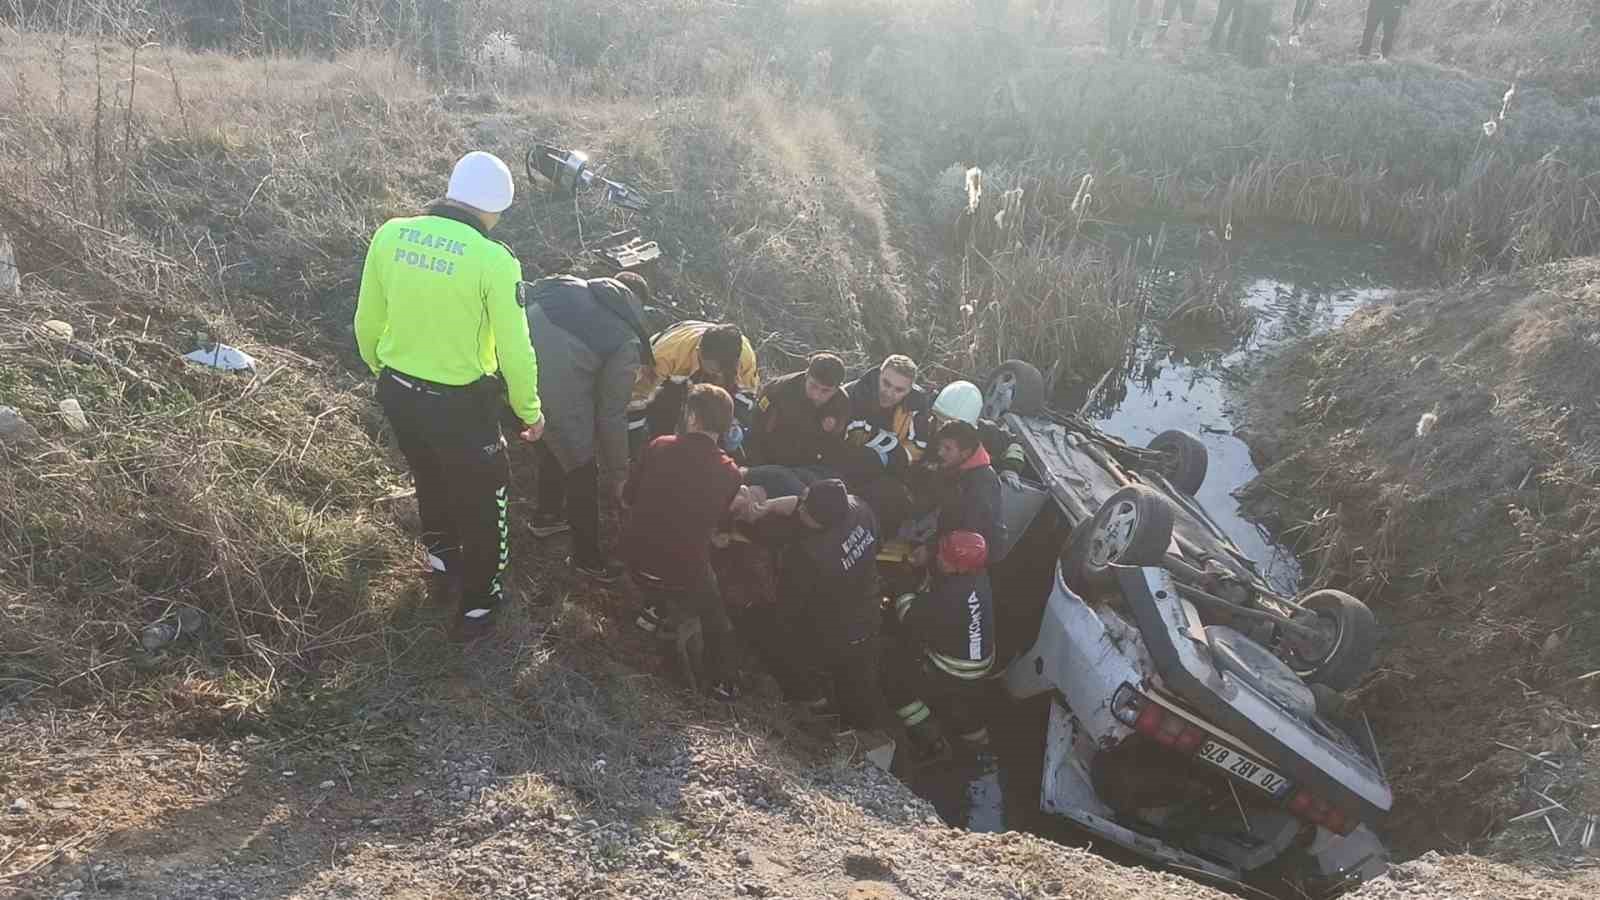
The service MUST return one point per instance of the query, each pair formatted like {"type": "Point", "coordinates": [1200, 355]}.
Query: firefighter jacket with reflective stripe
{"type": "Point", "coordinates": [677, 353]}
{"type": "Point", "coordinates": [439, 301]}
{"type": "Point", "coordinates": [954, 621]}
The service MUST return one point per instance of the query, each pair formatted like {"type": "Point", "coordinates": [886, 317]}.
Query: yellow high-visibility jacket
{"type": "Point", "coordinates": [677, 352]}
{"type": "Point", "coordinates": [439, 301]}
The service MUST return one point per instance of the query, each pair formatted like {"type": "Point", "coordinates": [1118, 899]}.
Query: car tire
{"type": "Point", "coordinates": [1015, 386]}
{"type": "Point", "coordinates": [1354, 638]}
{"type": "Point", "coordinates": [1331, 704]}
{"type": "Point", "coordinates": [1189, 456]}
{"type": "Point", "coordinates": [1132, 528]}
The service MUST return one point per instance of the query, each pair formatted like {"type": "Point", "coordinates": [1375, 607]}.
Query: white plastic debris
{"type": "Point", "coordinates": [58, 329]}
{"type": "Point", "coordinates": [10, 276]}
{"type": "Point", "coordinates": [72, 414]}
{"type": "Point", "coordinates": [222, 356]}
{"type": "Point", "coordinates": [1426, 424]}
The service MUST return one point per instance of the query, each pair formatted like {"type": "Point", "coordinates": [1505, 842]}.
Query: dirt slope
{"type": "Point", "coordinates": [439, 784]}
{"type": "Point", "coordinates": [1437, 456]}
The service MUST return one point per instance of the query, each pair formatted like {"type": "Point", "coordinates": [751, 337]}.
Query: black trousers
{"type": "Point", "coordinates": [450, 437]}
{"type": "Point", "coordinates": [1387, 14]}
{"type": "Point", "coordinates": [808, 665]}
{"type": "Point", "coordinates": [1230, 16]}
{"type": "Point", "coordinates": [701, 599]}
{"type": "Point", "coordinates": [574, 494]}
{"type": "Point", "coordinates": [916, 689]}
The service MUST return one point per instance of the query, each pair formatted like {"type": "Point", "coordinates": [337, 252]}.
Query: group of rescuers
{"type": "Point", "coordinates": [797, 485]}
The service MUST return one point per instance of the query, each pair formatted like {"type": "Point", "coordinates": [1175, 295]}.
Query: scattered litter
{"type": "Point", "coordinates": [326, 785]}
{"type": "Point", "coordinates": [58, 329]}
{"type": "Point", "coordinates": [1426, 424]}
{"type": "Point", "coordinates": [72, 414]}
{"type": "Point", "coordinates": [222, 356]}
{"type": "Point", "coordinates": [20, 806]}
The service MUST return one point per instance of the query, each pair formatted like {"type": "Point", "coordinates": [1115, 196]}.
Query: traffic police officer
{"type": "Point", "coordinates": [438, 322]}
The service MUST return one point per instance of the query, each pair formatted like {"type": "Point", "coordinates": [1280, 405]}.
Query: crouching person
{"type": "Point", "coordinates": [945, 649]}
{"type": "Point", "coordinates": [820, 637]}
{"type": "Point", "coordinates": [677, 493]}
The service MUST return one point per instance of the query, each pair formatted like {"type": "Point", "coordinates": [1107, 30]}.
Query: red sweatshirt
{"type": "Point", "coordinates": [677, 493]}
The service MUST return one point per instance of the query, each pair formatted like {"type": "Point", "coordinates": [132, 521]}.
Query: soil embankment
{"type": "Point", "coordinates": [316, 737]}
{"type": "Point", "coordinates": [1437, 456]}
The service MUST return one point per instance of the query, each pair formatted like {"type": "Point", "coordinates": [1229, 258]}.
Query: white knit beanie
{"type": "Point", "coordinates": [482, 181]}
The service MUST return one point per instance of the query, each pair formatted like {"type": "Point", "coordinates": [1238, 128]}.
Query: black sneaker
{"type": "Point", "coordinates": [605, 573]}
{"type": "Point", "coordinates": [726, 691]}
{"type": "Point", "coordinates": [549, 525]}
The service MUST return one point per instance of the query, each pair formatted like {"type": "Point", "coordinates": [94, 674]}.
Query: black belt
{"type": "Point", "coordinates": [424, 386]}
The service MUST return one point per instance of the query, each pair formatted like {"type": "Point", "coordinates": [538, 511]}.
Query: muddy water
{"type": "Point", "coordinates": [1177, 376]}
{"type": "Point", "coordinates": [1296, 284]}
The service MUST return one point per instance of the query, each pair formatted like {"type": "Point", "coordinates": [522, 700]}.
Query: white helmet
{"type": "Point", "coordinates": [960, 400]}
{"type": "Point", "coordinates": [482, 181]}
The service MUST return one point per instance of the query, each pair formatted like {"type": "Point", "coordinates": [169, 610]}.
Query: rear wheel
{"type": "Point", "coordinates": [1186, 457]}
{"type": "Point", "coordinates": [1015, 386]}
{"type": "Point", "coordinates": [1132, 528]}
{"type": "Point", "coordinates": [1346, 643]}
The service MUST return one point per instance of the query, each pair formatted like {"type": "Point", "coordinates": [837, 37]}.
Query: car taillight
{"type": "Point", "coordinates": [1167, 729]}
{"type": "Point", "coordinates": [1311, 808]}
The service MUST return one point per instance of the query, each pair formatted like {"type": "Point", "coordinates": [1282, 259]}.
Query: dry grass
{"type": "Point", "coordinates": [1439, 462]}
{"type": "Point", "coordinates": [161, 198]}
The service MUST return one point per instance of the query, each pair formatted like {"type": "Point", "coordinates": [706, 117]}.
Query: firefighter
{"type": "Point", "coordinates": [439, 324]}
{"type": "Point", "coordinates": [686, 354]}
{"type": "Point", "coordinates": [885, 437]}
{"type": "Point", "coordinates": [945, 648]}
{"type": "Point", "coordinates": [591, 342]}
{"type": "Point", "coordinates": [948, 630]}
{"type": "Point", "coordinates": [799, 421]}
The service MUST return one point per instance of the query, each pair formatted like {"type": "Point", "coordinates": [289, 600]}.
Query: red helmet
{"type": "Point", "coordinates": [961, 552]}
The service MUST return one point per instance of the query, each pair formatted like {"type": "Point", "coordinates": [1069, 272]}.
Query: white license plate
{"type": "Point", "coordinates": [1243, 768]}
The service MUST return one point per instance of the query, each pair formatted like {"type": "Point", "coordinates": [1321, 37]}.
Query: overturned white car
{"type": "Point", "coordinates": [1194, 715]}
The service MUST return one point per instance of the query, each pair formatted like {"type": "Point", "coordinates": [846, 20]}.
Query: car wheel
{"type": "Point", "coordinates": [1132, 528]}
{"type": "Point", "coordinates": [1187, 458]}
{"type": "Point", "coordinates": [1348, 640]}
{"type": "Point", "coordinates": [1015, 386]}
